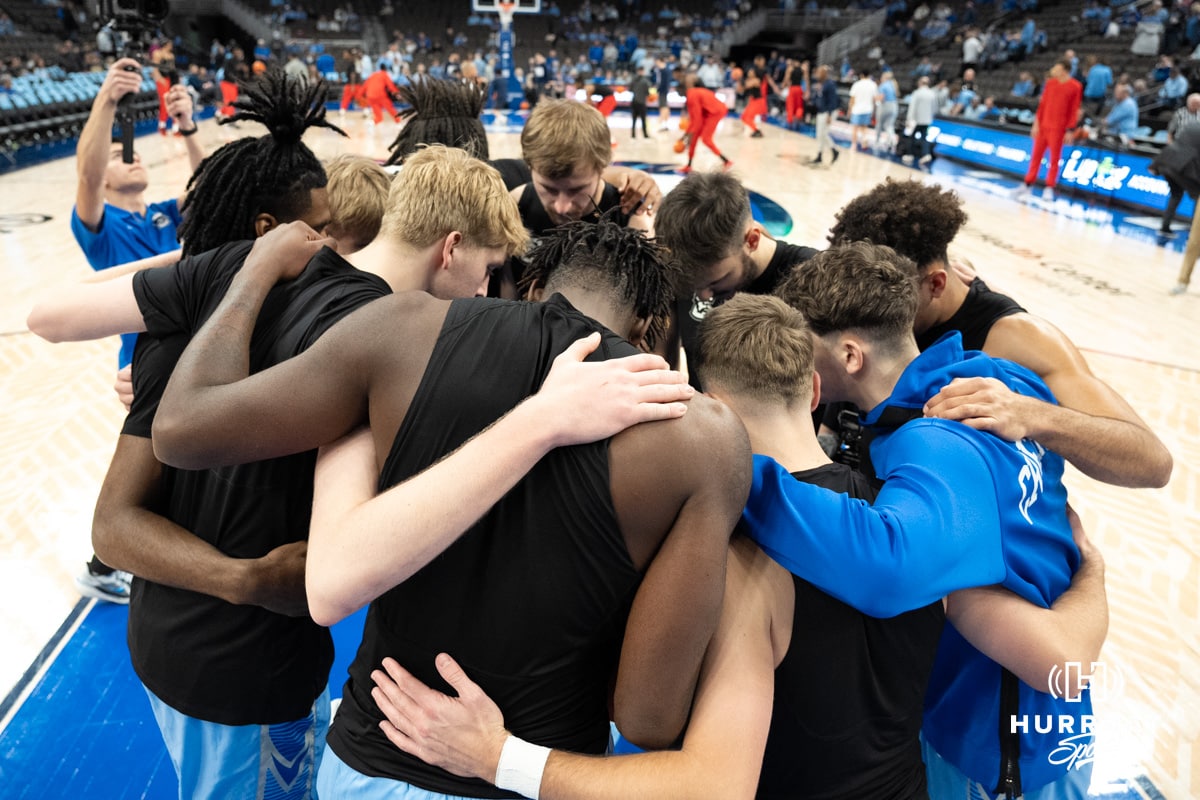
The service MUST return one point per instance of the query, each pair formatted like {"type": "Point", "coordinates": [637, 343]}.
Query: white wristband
{"type": "Point", "coordinates": [521, 766]}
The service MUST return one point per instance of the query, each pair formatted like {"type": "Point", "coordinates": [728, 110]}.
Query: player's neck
{"type": "Point", "coordinates": [879, 379]}
{"type": "Point", "coordinates": [783, 432]}
{"type": "Point", "coordinates": [597, 306]}
{"type": "Point", "coordinates": [763, 254]}
{"type": "Point", "coordinates": [403, 267]}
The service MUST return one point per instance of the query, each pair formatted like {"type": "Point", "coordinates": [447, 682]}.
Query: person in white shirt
{"type": "Point", "coordinates": [862, 106]}
{"type": "Point", "coordinates": [922, 107]}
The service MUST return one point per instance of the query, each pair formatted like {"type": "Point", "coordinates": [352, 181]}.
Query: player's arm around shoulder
{"type": "Point", "coordinates": [1094, 427]}
{"type": "Point", "coordinates": [690, 478]}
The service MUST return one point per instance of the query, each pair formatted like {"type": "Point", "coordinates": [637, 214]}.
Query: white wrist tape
{"type": "Point", "coordinates": [521, 767]}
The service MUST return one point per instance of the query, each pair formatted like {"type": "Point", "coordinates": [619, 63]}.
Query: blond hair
{"type": "Point", "coordinates": [443, 189]}
{"type": "Point", "coordinates": [758, 347]}
{"type": "Point", "coordinates": [358, 192]}
{"type": "Point", "coordinates": [563, 136]}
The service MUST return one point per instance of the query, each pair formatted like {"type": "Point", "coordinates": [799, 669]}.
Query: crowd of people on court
{"type": "Point", "coordinates": [560, 433]}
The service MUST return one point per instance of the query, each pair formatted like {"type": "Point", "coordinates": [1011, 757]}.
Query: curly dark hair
{"type": "Point", "coordinates": [613, 256]}
{"type": "Point", "coordinates": [272, 174]}
{"type": "Point", "coordinates": [915, 219]}
{"type": "Point", "coordinates": [440, 112]}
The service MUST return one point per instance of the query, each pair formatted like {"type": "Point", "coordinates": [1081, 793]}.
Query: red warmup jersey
{"type": "Point", "coordinates": [378, 85]}
{"type": "Point", "coordinates": [1059, 107]}
{"type": "Point", "coordinates": [703, 103]}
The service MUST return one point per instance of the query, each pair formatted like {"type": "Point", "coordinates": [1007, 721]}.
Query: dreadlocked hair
{"type": "Point", "coordinates": [273, 174]}
{"type": "Point", "coordinates": [605, 255]}
{"type": "Point", "coordinates": [440, 112]}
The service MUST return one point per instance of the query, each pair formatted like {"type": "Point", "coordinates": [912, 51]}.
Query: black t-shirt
{"type": "Point", "coordinates": [690, 311]}
{"type": "Point", "coordinates": [234, 665]}
{"type": "Point", "coordinates": [514, 171]}
{"type": "Point", "coordinates": [532, 600]}
{"type": "Point", "coordinates": [850, 691]}
{"type": "Point", "coordinates": [974, 318]}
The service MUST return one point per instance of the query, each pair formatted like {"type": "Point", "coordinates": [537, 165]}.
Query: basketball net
{"type": "Point", "coordinates": [506, 14]}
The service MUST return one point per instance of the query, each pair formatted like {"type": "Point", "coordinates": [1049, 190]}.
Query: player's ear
{"type": "Point", "coordinates": [264, 223]}
{"type": "Point", "coordinates": [536, 292]}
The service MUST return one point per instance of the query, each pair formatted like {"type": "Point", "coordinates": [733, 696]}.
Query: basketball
{"type": "Point", "coordinates": [679, 146]}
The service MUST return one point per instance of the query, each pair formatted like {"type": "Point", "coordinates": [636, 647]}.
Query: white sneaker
{"type": "Point", "coordinates": [112, 588]}
{"type": "Point", "coordinates": [1021, 192]}
{"type": "Point", "coordinates": [1178, 288]}
{"type": "Point", "coordinates": [925, 159]}
{"type": "Point", "coordinates": [1048, 194]}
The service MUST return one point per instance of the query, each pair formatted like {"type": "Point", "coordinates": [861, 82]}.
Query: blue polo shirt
{"type": "Point", "coordinates": [125, 236]}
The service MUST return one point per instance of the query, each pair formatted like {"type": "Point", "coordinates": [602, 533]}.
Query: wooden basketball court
{"type": "Point", "coordinates": [1106, 289]}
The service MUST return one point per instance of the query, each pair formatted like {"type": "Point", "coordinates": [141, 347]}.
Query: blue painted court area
{"type": "Point", "coordinates": [86, 730]}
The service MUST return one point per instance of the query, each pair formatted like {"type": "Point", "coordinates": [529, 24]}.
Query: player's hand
{"type": "Point", "coordinates": [587, 401]}
{"type": "Point", "coordinates": [277, 580]}
{"type": "Point", "coordinates": [283, 252]}
{"type": "Point", "coordinates": [463, 735]}
{"type": "Point", "coordinates": [984, 404]}
{"type": "Point", "coordinates": [639, 192]}
{"type": "Point", "coordinates": [124, 77]}
{"type": "Point", "coordinates": [124, 386]}
{"type": "Point", "coordinates": [964, 269]}
{"type": "Point", "coordinates": [179, 106]}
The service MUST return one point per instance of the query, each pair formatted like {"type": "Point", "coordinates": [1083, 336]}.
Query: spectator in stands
{"type": "Point", "coordinates": [1174, 89]}
{"type": "Point", "coordinates": [972, 49]}
{"type": "Point", "coordinates": [1028, 37]}
{"type": "Point", "coordinates": [1099, 77]}
{"type": "Point", "coordinates": [923, 69]}
{"type": "Point", "coordinates": [1123, 118]}
{"type": "Point", "coordinates": [6, 25]}
{"type": "Point", "coordinates": [1162, 70]}
{"type": "Point", "coordinates": [1025, 86]}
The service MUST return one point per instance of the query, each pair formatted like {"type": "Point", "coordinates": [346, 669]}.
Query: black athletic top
{"type": "Point", "coordinates": [233, 664]}
{"type": "Point", "coordinates": [974, 318]}
{"type": "Point", "coordinates": [849, 692]}
{"type": "Point", "coordinates": [538, 222]}
{"type": "Point", "coordinates": [532, 600]}
{"type": "Point", "coordinates": [514, 171]}
{"type": "Point", "coordinates": [691, 311]}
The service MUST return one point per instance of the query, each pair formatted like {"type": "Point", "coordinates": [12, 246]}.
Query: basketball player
{"type": "Point", "coordinates": [1091, 426]}
{"type": "Point", "coordinates": [582, 510]}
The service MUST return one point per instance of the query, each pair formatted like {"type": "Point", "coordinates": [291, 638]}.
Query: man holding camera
{"type": "Point", "coordinates": [113, 224]}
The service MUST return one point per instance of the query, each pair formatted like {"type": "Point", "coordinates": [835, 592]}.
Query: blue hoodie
{"type": "Point", "coordinates": [959, 508]}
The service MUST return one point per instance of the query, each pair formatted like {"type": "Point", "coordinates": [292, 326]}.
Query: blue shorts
{"type": "Point", "coordinates": [860, 119]}
{"type": "Point", "coordinates": [338, 781]}
{"type": "Point", "coordinates": [244, 761]}
{"type": "Point", "coordinates": [947, 781]}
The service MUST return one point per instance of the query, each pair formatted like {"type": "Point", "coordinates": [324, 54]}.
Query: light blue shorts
{"type": "Point", "coordinates": [216, 761]}
{"type": "Point", "coordinates": [947, 782]}
{"type": "Point", "coordinates": [338, 781]}
{"type": "Point", "coordinates": [860, 119]}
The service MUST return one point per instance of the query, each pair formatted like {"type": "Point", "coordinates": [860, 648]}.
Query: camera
{"type": "Point", "coordinates": [130, 26]}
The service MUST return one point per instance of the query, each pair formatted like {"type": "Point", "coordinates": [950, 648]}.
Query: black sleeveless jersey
{"type": "Point", "coordinates": [849, 693]}
{"type": "Point", "coordinates": [233, 664]}
{"type": "Point", "coordinates": [974, 318]}
{"type": "Point", "coordinates": [533, 599]}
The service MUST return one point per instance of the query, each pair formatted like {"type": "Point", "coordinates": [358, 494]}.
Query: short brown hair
{"type": "Point", "coordinates": [861, 287]}
{"type": "Point", "coordinates": [701, 221]}
{"type": "Point", "coordinates": [563, 135]}
{"type": "Point", "coordinates": [358, 192]}
{"type": "Point", "coordinates": [757, 346]}
{"type": "Point", "coordinates": [918, 220]}
{"type": "Point", "coordinates": [443, 189]}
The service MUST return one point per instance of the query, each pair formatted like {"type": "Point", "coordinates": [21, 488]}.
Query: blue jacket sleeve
{"type": "Point", "coordinates": [934, 528]}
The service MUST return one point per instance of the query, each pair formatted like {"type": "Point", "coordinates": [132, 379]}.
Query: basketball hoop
{"type": "Point", "coordinates": [505, 10]}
